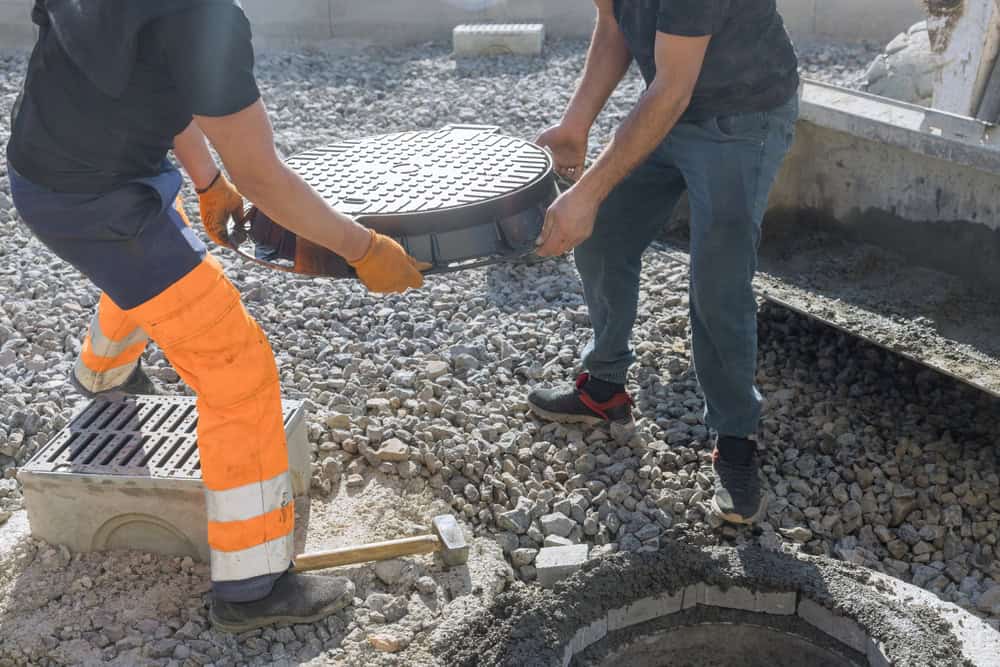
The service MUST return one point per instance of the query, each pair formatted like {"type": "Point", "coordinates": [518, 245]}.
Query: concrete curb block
{"type": "Point", "coordinates": [644, 610]}
{"type": "Point", "coordinates": [555, 563]}
{"type": "Point", "coordinates": [487, 39]}
{"type": "Point", "coordinates": [584, 638]}
{"type": "Point", "coordinates": [840, 628]}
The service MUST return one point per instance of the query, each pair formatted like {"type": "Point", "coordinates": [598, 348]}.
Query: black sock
{"type": "Point", "coordinates": [602, 391]}
{"type": "Point", "coordinates": [736, 450]}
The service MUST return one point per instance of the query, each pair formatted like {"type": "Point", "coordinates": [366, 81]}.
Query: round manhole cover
{"type": "Point", "coordinates": [454, 197]}
{"type": "Point", "coordinates": [408, 182]}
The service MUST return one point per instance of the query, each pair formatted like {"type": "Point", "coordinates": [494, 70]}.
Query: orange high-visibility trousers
{"type": "Point", "coordinates": [159, 282]}
{"type": "Point", "coordinates": [111, 349]}
{"type": "Point", "coordinates": [218, 349]}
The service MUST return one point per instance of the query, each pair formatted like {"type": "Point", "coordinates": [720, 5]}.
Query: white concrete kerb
{"type": "Point", "coordinates": [487, 39]}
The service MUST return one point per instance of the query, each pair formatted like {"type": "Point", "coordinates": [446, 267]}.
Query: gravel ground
{"type": "Point", "coordinates": [869, 458]}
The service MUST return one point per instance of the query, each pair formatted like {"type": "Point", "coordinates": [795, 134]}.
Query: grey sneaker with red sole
{"type": "Point", "coordinates": [738, 498]}
{"type": "Point", "coordinates": [577, 406]}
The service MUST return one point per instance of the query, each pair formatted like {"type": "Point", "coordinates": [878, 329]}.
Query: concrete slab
{"type": "Point", "coordinates": [487, 39]}
{"type": "Point", "coordinates": [839, 627]}
{"type": "Point", "coordinates": [694, 594]}
{"type": "Point", "coordinates": [98, 486]}
{"type": "Point", "coordinates": [644, 610]}
{"type": "Point", "coordinates": [585, 637]}
{"type": "Point", "coordinates": [555, 563]}
{"type": "Point", "coordinates": [735, 597]}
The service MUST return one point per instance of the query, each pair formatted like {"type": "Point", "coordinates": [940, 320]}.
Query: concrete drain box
{"type": "Point", "coordinates": [126, 474]}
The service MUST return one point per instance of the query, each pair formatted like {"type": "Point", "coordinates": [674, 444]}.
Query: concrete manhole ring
{"type": "Point", "coordinates": [686, 605]}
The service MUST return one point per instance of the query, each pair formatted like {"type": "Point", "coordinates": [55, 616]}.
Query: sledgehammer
{"type": "Point", "coordinates": [447, 539]}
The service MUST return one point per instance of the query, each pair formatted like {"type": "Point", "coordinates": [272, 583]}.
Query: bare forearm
{"type": "Point", "coordinates": [191, 150]}
{"type": "Point", "coordinates": [284, 196]}
{"type": "Point", "coordinates": [245, 143]}
{"type": "Point", "coordinates": [607, 62]}
{"type": "Point", "coordinates": [639, 134]}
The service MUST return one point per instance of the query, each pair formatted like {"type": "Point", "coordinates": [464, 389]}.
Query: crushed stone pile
{"type": "Point", "coordinates": [420, 399]}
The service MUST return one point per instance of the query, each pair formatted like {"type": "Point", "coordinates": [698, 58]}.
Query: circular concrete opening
{"type": "Point", "coordinates": [692, 606]}
{"type": "Point", "coordinates": [724, 644]}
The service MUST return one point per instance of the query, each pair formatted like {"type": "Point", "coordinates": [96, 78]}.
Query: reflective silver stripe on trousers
{"type": "Point", "coordinates": [269, 558]}
{"type": "Point", "coordinates": [250, 500]}
{"type": "Point", "coordinates": [109, 379]}
{"type": "Point", "coordinates": [105, 347]}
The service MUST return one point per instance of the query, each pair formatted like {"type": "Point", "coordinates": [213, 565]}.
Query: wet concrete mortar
{"type": "Point", "coordinates": [526, 626]}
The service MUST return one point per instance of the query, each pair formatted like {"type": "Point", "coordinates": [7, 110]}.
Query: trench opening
{"type": "Point", "coordinates": [711, 636]}
{"type": "Point", "coordinates": [706, 636]}
{"type": "Point", "coordinates": [711, 644]}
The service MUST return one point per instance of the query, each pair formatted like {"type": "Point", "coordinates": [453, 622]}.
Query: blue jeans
{"type": "Point", "coordinates": [727, 164]}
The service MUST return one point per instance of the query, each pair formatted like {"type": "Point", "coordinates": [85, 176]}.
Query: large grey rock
{"type": "Point", "coordinates": [907, 69]}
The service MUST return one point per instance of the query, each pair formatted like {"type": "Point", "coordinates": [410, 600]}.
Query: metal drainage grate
{"type": "Point", "coordinates": [150, 436]}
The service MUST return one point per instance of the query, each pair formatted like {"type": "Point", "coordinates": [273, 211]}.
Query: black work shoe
{"type": "Point", "coordinates": [137, 384]}
{"type": "Point", "coordinates": [295, 598]}
{"type": "Point", "coordinates": [738, 497]}
{"type": "Point", "coordinates": [576, 406]}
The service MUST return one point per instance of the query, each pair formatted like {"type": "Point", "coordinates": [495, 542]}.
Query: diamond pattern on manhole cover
{"type": "Point", "coordinates": [150, 436]}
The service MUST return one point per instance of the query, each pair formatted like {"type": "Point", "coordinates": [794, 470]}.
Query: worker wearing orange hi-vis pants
{"type": "Point", "coordinates": [112, 86]}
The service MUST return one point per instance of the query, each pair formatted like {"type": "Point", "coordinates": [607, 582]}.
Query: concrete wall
{"type": "Point", "coordinates": [16, 30]}
{"type": "Point", "coordinates": [414, 21]}
{"type": "Point", "coordinates": [924, 183]}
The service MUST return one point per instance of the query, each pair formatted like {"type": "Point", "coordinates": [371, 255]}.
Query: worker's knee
{"type": "Point", "coordinates": [209, 337]}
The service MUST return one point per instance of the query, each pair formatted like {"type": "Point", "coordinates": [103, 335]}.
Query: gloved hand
{"type": "Point", "coordinates": [218, 202]}
{"type": "Point", "coordinates": [387, 268]}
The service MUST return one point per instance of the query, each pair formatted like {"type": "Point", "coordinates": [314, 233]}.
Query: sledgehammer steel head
{"type": "Point", "coordinates": [454, 550]}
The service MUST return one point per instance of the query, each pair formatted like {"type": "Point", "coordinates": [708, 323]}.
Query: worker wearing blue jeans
{"type": "Point", "coordinates": [716, 121]}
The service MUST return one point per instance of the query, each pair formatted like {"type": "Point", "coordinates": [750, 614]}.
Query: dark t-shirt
{"type": "Point", "coordinates": [750, 64]}
{"type": "Point", "coordinates": [69, 136]}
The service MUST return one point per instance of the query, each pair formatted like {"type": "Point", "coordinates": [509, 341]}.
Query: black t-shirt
{"type": "Point", "coordinates": [70, 136]}
{"type": "Point", "coordinates": [750, 64]}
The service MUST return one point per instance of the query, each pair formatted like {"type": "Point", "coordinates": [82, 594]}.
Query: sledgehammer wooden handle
{"type": "Point", "coordinates": [408, 546]}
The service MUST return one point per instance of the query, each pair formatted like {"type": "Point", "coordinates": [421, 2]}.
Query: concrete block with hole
{"type": "Point", "coordinates": [126, 474]}
{"type": "Point", "coordinates": [555, 563]}
{"type": "Point", "coordinates": [524, 39]}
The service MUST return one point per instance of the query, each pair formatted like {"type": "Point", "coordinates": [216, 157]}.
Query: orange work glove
{"type": "Point", "coordinates": [219, 202]}
{"type": "Point", "coordinates": [387, 268]}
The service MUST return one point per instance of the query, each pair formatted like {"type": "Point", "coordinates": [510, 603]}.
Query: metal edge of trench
{"type": "Point", "coordinates": [884, 620]}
